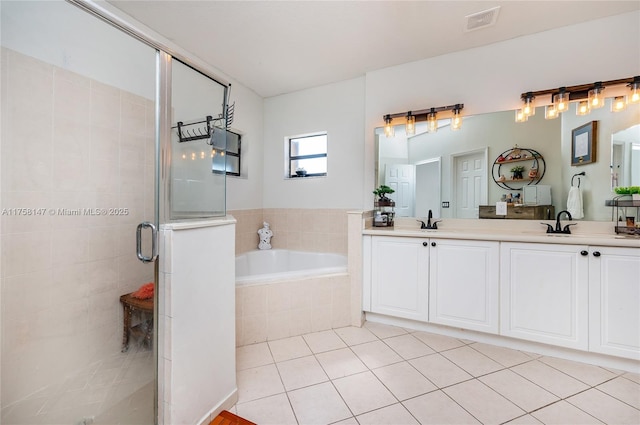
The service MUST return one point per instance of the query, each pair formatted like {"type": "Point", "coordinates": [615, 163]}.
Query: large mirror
{"type": "Point", "coordinates": [450, 172]}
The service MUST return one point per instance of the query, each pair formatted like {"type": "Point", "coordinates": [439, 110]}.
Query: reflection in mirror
{"type": "Point", "coordinates": [625, 157]}
{"type": "Point", "coordinates": [497, 132]}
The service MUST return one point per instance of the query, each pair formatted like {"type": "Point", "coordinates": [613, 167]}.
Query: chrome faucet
{"type": "Point", "coordinates": [559, 228]}
{"type": "Point", "coordinates": [429, 224]}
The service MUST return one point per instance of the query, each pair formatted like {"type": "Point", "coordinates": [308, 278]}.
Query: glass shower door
{"type": "Point", "coordinates": [78, 160]}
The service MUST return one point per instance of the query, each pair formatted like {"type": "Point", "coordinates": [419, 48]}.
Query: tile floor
{"type": "Point", "coordinates": [382, 374]}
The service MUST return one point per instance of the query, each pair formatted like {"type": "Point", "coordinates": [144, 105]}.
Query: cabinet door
{"type": "Point", "coordinates": [463, 284]}
{"type": "Point", "coordinates": [399, 277]}
{"type": "Point", "coordinates": [614, 301]}
{"type": "Point", "coordinates": [544, 293]}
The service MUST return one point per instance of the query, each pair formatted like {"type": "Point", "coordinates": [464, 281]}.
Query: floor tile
{"type": "Point", "coordinates": [302, 372]}
{"type": "Point", "coordinates": [274, 410]}
{"type": "Point", "coordinates": [376, 354]}
{"type": "Point", "coordinates": [438, 409]}
{"type": "Point", "coordinates": [623, 389]}
{"type": "Point", "coordinates": [384, 331]}
{"type": "Point", "coordinates": [563, 413]}
{"type": "Point", "coordinates": [472, 361]}
{"type": "Point", "coordinates": [524, 420]}
{"type": "Point", "coordinates": [318, 404]}
{"type": "Point", "coordinates": [589, 374]}
{"type": "Point", "coordinates": [440, 370]}
{"type": "Point", "coordinates": [550, 379]}
{"type": "Point", "coordinates": [350, 421]}
{"type": "Point", "coordinates": [403, 380]}
{"type": "Point", "coordinates": [606, 408]}
{"type": "Point", "coordinates": [320, 342]}
{"type": "Point", "coordinates": [340, 363]}
{"type": "Point", "coordinates": [289, 348]}
{"type": "Point", "coordinates": [483, 403]}
{"type": "Point", "coordinates": [505, 356]}
{"type": "Point", "coordinates": [520, 391]}
{"type": "Point", "coordinates": [395, 414]}
{"type": "Point", "coordinates": [635, 377]}
{"type": "Point", "coordinates": [258, 382]}
{"type": "Point", "coordinates": [253, 355]}
{"type": "Point", "coordinates": [438, 342]}
{"type": "Point", "coordinates": [353, 336]}
{"type": "Point", "coordinates": [363, 392]}
{"type": "Point", "coordinates": [408, 346]}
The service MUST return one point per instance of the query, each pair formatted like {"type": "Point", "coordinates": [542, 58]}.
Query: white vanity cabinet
{"type": "Point", "coordinates": [544, 294]}
{"type": "Point", "coordinates": [614, 301]}
{"type": "Point", "coordinates": [399, 277]}
{"type": "Point", "coordinates": [463, 283]}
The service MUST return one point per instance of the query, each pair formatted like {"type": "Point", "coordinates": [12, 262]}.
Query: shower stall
{"type": "Point", "coordinates": [90, 150]}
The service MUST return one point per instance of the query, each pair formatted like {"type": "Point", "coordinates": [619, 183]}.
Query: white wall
{"type": "Point", "coordinates": [337, 109]}
{"type": "Point", "coordinates": [491, 78]}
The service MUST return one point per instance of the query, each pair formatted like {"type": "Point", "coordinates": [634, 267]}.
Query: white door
{"type": "Point", "coordinates": [470, 183]}
{"type": "Point", "coordinates": [544, 293]}
{"type": "Point", "coordinates": [400, 177]}
{"type": "Point", "coordinates": [428, 188]}
{"type": "Point", "coordinates": [463, 284]}
{"type": "Point", "coordinates": [399, 277]}
{"type": "Point", "coordinates": [614, 297]}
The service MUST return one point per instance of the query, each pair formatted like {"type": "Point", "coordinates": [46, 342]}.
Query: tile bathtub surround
{"type": "Point", "coordinates": [68, 143]}
{"type": "Point", "coordinates": [297, 229]}
{"type": "Point", "coordinates": [382, 374]}
{"type": "Point", "coordinates": [278, 310]}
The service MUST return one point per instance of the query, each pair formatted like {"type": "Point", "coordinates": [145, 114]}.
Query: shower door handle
{"type": "Point", "coordinates": [154, 238]}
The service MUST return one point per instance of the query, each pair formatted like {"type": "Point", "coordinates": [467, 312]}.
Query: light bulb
{"type": "Point", "coordinates": [529, 106]}
{"type": "Point", "coordinates": [411, 124]}
{"type": "Point", "coordinates": [520, 116]}
{"type": "Point", "coordinates": [550, 112]}
{"type": "Point", "coordinates": [582, 107]}
{"type": "Point", "coordinates": [432, 122]}
{"type": "Point", "coordinates": [456, 121]}
{"type": "Point", "coordinates": [596, 100]}
{"type": "Point", "coordinates": [562, 101]}
{"type": "Point", "coordinates": [619, 103]}
{"type": "Point", "coordinates": [634, 97]}
{"type": "Point", "coordinates": [388, 128]}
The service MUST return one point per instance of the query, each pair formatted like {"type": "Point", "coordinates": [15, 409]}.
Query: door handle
{"type": "Point", "coordinates": [154, 238]}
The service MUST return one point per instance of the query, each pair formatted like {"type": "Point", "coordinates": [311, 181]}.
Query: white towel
{"type": "Point", "coordinates": [574, 203]}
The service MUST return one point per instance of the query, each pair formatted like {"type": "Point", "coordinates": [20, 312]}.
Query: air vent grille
{"type": "Point", "coordinates": [483, 19]}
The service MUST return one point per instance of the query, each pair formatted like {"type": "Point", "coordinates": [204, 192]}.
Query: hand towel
{"type": "Point", "coordinates": [574, 203]}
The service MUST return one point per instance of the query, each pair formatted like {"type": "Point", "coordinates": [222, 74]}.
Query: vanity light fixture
{"type": "Point", "coordinates": [456, 120]}
{"type": "Point", "coordinates": [432, 121]}
{"type": "Point", "coordinates": [586, 96]}
{"type": "Point", "coordinates": [430, 115]}
{"type": "Point", "coordinates": [634, 86]}
{"type": "Point", "coordinates": [595, 97]}
{"type": "Point", "coordinates": [619, 103]}
{"type": "Point", "coordinates": [582, 107]}
{"type": "Point", "coordinates": [561, 100]}
{"type": "Point", "coordinates": [388, 128]}
{"type": "Point", "coordinates": [551, 112]}
{"type": "Point", "coordinates": [411, 124]}
{"type": "Point", "coordinates": [529, 105]}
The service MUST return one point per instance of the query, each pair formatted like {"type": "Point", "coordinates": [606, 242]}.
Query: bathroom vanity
{"type": "Point", "coordinates": [507, 278]}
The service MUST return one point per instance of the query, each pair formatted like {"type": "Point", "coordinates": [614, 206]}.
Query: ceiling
{"type": "Point", "coordinates": [276, 47]}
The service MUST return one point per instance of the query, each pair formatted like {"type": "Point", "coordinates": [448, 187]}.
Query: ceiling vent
{"type": "Point", "coordinates": [483, 19]}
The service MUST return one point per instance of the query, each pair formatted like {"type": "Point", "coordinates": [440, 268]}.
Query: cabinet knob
{"type": "Point", "coordinates": [584, 252]}
{"type": "Point", "coordinates": [425, 243]}
{"type": "Point", "coordinates": [433, 244]}
{"type": "Point", "coordinates": [596, 253]}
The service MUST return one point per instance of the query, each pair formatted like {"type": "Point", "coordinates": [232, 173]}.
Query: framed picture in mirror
{"type": "Point", "coordinates": [584, 142]}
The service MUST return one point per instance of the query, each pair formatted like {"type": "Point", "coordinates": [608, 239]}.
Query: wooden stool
{"type": "Point", "coordinates": [129, 305]}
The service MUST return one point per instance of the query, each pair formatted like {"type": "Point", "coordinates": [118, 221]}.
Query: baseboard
{"type": "Point", "coordinates": [225, 404]}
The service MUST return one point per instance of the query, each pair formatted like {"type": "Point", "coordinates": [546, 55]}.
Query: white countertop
{"type": "Point", "coordinates": [583, 233]}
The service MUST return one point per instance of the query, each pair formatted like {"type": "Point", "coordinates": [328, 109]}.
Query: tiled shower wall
{"type": "Point", "coordinates": [298, 229]}
{"type": "Point", "coordinates": [68, 142]}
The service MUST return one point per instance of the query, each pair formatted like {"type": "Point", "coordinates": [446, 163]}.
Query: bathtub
{"type": "Point", "coordinates": [281, 293]}
{"type": "Point", "coordinates": [281, 264]}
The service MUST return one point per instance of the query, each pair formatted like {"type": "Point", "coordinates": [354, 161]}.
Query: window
{"type": "Point", "coordinates": [308, 155]}
{"type": "Point", "coordinates": [231, 164]}
{"type": "Point", "coordinates": [234, 141]}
